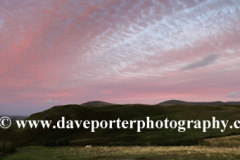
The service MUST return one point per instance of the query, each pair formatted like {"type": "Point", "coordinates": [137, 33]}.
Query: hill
{"type": "Point", "coordinates": [115, 136]}
{"type": "Point", "coordinates": [173, 102]}
{"type": "Point", "coordinates": [15, 117]}
{"type": "Point", "coordinates": [95, 103]}
{"type": "Point", "coordinates": [233, 103]}
{"type": "Point", "coordinates": [81, 136]}
{"type": "Point", "coordinates": [178, 102]}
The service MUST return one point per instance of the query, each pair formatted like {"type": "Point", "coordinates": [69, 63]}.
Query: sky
{"type": "Point", "coordinates": [56, 52]}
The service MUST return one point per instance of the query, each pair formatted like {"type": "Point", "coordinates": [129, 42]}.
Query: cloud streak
{"type": "Point", "coordinates": [202, 63]}
{"type": "Point", "coordinates": [233, 94]}
{"type": "Point", "coordinates": [50, 101]}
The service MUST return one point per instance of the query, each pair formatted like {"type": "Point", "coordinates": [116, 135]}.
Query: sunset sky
{"type": "Point", "coordinates": [56, 52]}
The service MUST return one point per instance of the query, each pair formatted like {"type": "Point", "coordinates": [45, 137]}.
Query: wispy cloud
{"type": "Point", "coordinates": [202, 63]}
{"type": "Point", "coordinates": [76, 51]}
{"type": "Point", "coordinates": [233, 94]}
{"type": "Point", "coordinates": [50, 101]}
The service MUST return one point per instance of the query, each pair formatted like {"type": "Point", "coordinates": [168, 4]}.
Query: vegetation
{"type": "Point", "coordinates": [200, 112]}
{"type": "Point", "coordinates": [228, 141]}
{"type": "Point", "coordinates": [125, 137]}
{"type": "Point", "coordinates": [217, 148]}
{"type": "Point", "coordinates": [101, 137]}
{"type": "Point", "coordinates": [7, 147]}
{"type": "Point", "coordinates": [127, 144]}
{"type": "Point", "coordinates": [131, 152]}
{"type": "Point", "coordinates": [55, 143]}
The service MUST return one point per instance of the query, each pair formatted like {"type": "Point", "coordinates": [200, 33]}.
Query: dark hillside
{"type": "Point", "coordinates": [178, 102]}
{"type": "Point", "coordinates": [114, 136]}
{"type": "Point", "coordinates": [101, 136]}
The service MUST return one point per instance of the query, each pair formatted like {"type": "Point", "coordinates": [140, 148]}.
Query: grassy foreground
{"type": "Point", "coordinates": [214, 148]}
{"type": "Point", "coordinates": [150, 152]}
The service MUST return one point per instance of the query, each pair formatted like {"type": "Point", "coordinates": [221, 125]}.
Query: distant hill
{"type": "Point", "coordinates": [209, 103]}
{"type": "Point", "coordinates": [233, 103]}
{"type": "Point", "coordinates": [178, 102]}
{"type": "Point", "coordinates": [15, 117]}
{"type": "Point", "coordinates": [173, 102]}
{"type": "Point", "coordinates": [96, 103]}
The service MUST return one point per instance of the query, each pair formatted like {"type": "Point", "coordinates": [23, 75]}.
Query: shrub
{"type": "Point", "coordinates": [52, 143]}
{"type": "Point", "coordinates": [62, 142]}
{"type": "Point", "coordinates": [59, 142]}
{"type": "Point", "coordinates": [147, 143]}
{"type": "Point", "coordinates": [55, 143]}
{"type": "Point", "coordinates": [45, 143]}
{"type": "Point", "coordinates": [65, 142]}
{"type": "Point", "coordinates": [7, 147]}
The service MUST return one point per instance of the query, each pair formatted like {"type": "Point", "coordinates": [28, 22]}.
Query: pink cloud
{"type": "Point", "coordinates": [117, 51]}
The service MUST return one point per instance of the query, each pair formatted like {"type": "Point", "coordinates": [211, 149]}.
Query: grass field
{"type": "Point", "coordinates": [228, 141]}
{"type": "Point", "coordinates": [150, 152]}
{"type": "Point", "coordinates": [216, 148]}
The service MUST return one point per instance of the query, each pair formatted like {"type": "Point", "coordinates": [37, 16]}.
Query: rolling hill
{"type": "Point", "coordinates": [83, 136]}
{"type": "Point", "coordinates": [174, 110]}
{"type": "Point", "coordinates": [96, 103]}
{"type": "Point", "coordinates": [179, 102]}
{"type": "Point", "coordinates": [15, 117]}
